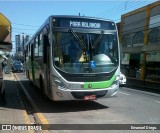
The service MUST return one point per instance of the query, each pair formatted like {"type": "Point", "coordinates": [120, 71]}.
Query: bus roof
{"type": "Point", "coordinates": [67, 17]}
{"type": "Point", "coordinates": [84, 17]}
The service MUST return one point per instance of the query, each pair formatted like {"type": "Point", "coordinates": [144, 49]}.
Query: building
{"type": "Point", "coordinates": [26, 39]}
{"type": "Point", "coordinates": [140, 42]}
{"type": "Point", "coordinates": [20, 40]}
{"type": "Point", "coordinates": [18, 43]}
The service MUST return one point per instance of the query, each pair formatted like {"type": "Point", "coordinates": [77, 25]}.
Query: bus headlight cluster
{"type": "Point", "coordinates": [59, 84]}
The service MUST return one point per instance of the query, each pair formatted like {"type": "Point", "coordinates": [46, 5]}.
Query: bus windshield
{"type": "Point", "coordinates": [77, 52]}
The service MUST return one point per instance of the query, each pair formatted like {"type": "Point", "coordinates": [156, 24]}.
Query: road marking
{"type": "Point", "coordinates": [157, 101]}
{"type": "Point", "coordinates": [39, 116]}
{"type": "Point", "coordinates": [143, 92]}
{"type": "Point", "coordinates": [124, 93]}
{"type": "Point", "coordinates": [25, 115]}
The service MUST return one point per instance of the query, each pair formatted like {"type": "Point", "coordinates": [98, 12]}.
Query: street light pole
{"type": "Point", "coordinates": [24, 54]}
{"type": "Point", "coordinates": [23, 47]}
{"type": "Point", "coordinates": [23, 42]}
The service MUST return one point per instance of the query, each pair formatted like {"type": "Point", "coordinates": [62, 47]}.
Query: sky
{"type": "Point", "coordinates": [27, 16]}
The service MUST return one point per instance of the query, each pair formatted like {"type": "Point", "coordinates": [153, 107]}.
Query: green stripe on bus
{"type": "Point", "coordinates": [99, 85]}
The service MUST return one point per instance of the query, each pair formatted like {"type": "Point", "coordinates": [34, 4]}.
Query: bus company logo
{"type": "Point", "coordinates": [89, 86]}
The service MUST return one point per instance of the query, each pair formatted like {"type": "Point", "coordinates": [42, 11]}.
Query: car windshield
{"type": "Point", "coordinates": [18, 65]}
{"type": "Point", "coordinates": [76, 52]}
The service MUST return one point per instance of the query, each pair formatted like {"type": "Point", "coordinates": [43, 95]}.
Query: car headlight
{"type": "Point", "coordinates": [121, 77]}
{"type": "Point", "coordinates": [116, 81]}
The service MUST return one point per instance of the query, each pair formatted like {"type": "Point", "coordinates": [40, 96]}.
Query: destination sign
{"type": "Point", "coordinates": [85, 23]}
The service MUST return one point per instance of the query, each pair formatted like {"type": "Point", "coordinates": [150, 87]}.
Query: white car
{"type": "Point", "coordinates": [122, 80]}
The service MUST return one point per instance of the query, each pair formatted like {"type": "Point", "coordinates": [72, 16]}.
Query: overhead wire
{"type": "Point", "coordinates": [109, 10]}
{"type": "Point", "coordinates": [129, 7]}
{"type": "Point", "coordinates": [24, 29]}
{"type": "Point", "coordinates": [139, 21]}
{"type": "Point", "coordinates": [139, 28]}
{"type": "Point", "coordinates": [99, 13]}
{"type": "Point", "coordinates": [26, 33]}
{"type": "Point", "coordinates": [25, 25]}
{"type": "Point", "coordinates": [105, 11]}
{"type": "Point", "coordinates": [21, 30]}
{"type": "Point", "coordinates": [124, 13]}
{"type": "Point", "coordinates": [121, 9]}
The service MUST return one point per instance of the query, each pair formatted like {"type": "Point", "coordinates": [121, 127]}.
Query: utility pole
{"type": "Point", "coordinates": [23, 46]}
{"type": "Point", "coordinates": [23, 42]}
{"type": "Point", "coordinates": [125, 5]}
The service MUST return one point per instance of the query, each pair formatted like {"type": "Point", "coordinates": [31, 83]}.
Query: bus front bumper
{"type": "Point", "coordinates": [62, 95]}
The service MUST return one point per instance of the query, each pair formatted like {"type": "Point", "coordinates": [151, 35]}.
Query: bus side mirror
{"type": "Point", "coordinates": [45, 45]}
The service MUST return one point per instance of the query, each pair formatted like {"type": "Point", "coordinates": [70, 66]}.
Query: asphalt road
{"type": "Point", "coordinates": [128, 107]}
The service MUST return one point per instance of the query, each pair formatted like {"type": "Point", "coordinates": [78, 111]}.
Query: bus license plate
{"type": "Point", "coordinates": [92, 97]}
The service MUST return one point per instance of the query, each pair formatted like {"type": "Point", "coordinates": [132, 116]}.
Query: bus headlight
{"type": "Point", "coordinates": [59, 84]}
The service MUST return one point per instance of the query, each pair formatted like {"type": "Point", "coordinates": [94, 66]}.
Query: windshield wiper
{"type": "Point", "coordinates": [77, 38]}
{"type": "Point", "coordinates": [98, 39]}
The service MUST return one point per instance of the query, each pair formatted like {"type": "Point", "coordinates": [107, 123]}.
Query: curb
{"type": "Point", "coordinates": [40, 119]}
{"type": "Point", "coordinates": [142, 91]}
{"type": "Point", "coordinates": [143, 85]}
{"type": "Point", "coordinates": [143, 88]}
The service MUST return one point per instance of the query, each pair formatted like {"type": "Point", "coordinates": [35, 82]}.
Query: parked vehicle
{"type": "Point", "coordinates": [122, 80]}
{"type": "Point", "coordinates": [7, 69]}
{"type": "Point", "coordinates": [17, 68]}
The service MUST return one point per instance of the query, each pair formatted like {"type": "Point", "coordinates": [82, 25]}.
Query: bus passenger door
{"type": "Point", "coordinates": [46, 60]}
{"type": "Point", "coordinates": [32, 64]}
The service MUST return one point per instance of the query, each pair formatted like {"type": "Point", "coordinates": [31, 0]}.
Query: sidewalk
{"type": "Point", "coordinates": [13, 111]}
{"type": "Point", "coordinates": [143, 85]}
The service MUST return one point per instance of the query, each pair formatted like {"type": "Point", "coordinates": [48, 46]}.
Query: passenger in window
{"type": "Point", "coordinates": [104, 45]}
{"type": "Point", "coordinates": [65, 53]}
{"type": "Point", "coordinates": [73, 51]}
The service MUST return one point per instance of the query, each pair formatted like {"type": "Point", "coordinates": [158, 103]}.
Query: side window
{"type": "Point", "coordinates": [32, 51]}
{"type": "Point", "coordinates": [129, 40]}
{"type": "Point", "coordinates": [154, 35]}
{"type": "Point", "coordinates": [138, 37]}
{"type": "Point", "coordinates": [40, 46]}
{"type": "Point", "coordinates": [29, 49]}
{"type": "Point", "coordinates": [36, 47]}
{"type": "Point", "coordinates": [124, 42]}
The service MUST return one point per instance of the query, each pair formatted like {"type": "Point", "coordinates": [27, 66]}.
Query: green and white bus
{"type": "Point", "coordinates": [74, 58]}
